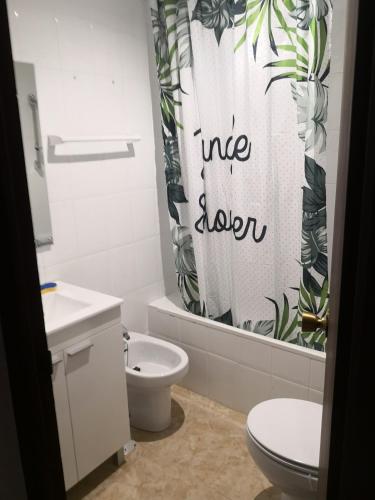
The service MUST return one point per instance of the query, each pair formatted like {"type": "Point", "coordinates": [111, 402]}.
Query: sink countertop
{"type": "Point", "coordinates": [70, 304]}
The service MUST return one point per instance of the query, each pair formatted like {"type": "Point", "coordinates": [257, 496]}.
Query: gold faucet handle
{"type": "Point", "coordinates": [312, 322]}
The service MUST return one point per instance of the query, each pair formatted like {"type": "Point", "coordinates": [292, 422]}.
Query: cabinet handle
{"type": "Point", "coordinates": [56, 359]}
{"type": "Point", "coordinates": [79, 348]}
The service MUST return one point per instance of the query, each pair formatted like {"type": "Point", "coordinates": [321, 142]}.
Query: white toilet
{"type": "Point", "coordinates": [283, 436]}
{"type": "Point", "coordinates": [152, 366]}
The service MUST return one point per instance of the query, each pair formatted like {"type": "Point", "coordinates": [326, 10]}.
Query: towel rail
{"type": "Point", "coordinates": [56, 140]}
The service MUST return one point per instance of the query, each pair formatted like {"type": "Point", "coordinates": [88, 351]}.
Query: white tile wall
{"type": "Point", "coordinates": [220, 378]}
{"type": "Point", "coordinates": [288, 389]}
{"type": "Point", "coordinates": [290, 366]}
{"type": "Point", "coordinates": [136, 305]}
{"type": "Point", "coordinates": [164, 325]}
{"type": "Point", "coordinates": [234, 367]}
{"type": "Point", "coordinates": [241, 350]}
{"type": "Point", "coordinates": [250, 387]}
{"type": "Point", "coordinates": [193, 334]}
{"type": "Point", "coordinates": [317, 375]}
{"type": "Point", "coordinates": [316, 396]}
{"type": "Point", "coordinates": [92, 72]}
{"type": "Point", "coordinates": [196, 380]}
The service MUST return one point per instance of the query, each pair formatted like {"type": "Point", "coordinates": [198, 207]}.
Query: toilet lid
{"type": "Point", "coordinates": [288, 428]}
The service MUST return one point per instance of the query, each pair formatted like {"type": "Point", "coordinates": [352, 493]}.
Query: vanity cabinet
{"type": "Point", "coordinates": [60, 393]}
{"type": "Point", "coordinates": [91, 400]}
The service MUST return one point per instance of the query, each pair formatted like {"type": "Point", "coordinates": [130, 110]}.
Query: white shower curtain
{"type": "Point", "coordinates": [244, 105]}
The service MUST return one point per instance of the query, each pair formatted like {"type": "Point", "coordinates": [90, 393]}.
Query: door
{"type": "Point", "coordinates": [36, 464]}
{"type": "Point", "coordinates": [64, 425]}
{"type": "Point", "coordinates": [95, 374]}
{"type": "Point", "coordinates": [347, 427]}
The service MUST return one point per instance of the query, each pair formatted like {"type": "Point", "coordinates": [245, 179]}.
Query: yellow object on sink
{"type": "Point", "coordinates": [48, 287]}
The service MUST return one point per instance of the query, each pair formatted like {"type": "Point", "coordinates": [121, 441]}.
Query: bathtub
{"type": "Point", "coordinates": [234, 367]}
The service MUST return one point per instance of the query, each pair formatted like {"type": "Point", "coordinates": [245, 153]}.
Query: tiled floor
{"type": "Point", "coordinates": [202, 456]}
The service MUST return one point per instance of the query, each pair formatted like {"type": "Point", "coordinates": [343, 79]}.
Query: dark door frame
{"type": "Point", "coordinates": [24, 359]}
{"type": "Point", "coordinates": [346, 445]}
{"type": "Point", "coordinates": [27, 359]}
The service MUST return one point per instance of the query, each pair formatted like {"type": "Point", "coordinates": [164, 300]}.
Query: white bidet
{"type": "Point", "coordinates": [152, 366]}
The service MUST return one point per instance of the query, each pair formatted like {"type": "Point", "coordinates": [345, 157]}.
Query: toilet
{"type": "Point", "coordinates": [152, 366]}
{"type": "Point", "coordinates": [283, 437]}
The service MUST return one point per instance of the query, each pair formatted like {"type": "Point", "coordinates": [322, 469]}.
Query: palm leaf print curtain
{"type": "Point", "coordinates": [244, 99]}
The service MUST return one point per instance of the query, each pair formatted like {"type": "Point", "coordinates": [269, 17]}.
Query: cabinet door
{"type": "Point", "coordinates": [63, 421]}
{"type": "Point", "coordinates": [95, 374]}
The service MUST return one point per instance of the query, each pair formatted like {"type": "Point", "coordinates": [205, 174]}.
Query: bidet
{"type": "Point", "coordinates": [152, 366]}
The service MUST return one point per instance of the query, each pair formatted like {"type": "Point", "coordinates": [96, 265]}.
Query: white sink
{"type": "Point", "coordinates": [70, 304]}
{"type": "Point", "coordinates": [57, 306]}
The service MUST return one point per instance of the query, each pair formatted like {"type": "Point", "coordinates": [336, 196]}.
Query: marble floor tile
{"type": "Point", "coordinates": [203, 455]}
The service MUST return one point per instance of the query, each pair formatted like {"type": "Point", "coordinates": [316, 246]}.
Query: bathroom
{"type": "Point", "coordinates": [183, 161]}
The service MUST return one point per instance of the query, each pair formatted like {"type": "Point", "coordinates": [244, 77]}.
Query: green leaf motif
{"type": "Point", "coordinates": [311, 283]}
{"type": "Point", "coordinates": [172, 160]}
{"type": "Point", "coordinates": [315, 177]}
{"type": "Point", "coordinates": [184, 253]}
{"type": "Point", "coordinates": [175, 193]}
{"type": "Point", "coordinates": [308, 303]}
{"type": "Point", "coordinates": [307, 10]}
{"type": "Point", "coordinates": [217, 15]}
{"type": "Point", "coordinates": [225, 318]}
{"type": "Point", "coordinates": [285, 322]}
{"type": "Point", "coordinates": [263, 327]}
{"type": "Point", "coordinates": [314, 250]}
{"type": "Point", "coordinates": [312, 109]}
{"type": "Point", "coordinates": [314, 196]}
{"type": "Point", "coordinates": [297, 33]}
{"type": "Point", "coordinates": [159, 29]}
{"type": "Point", "coordinates": [265, 16]}
{"type": "Point", "coordinates": [187, 278]}
{"type": "Point", "coordinates": [183, 40]}
{"type": "Point", "coordinates": [314, 220]}
{"type": "Point", "coordinates": [314, 230]}
{"type": "Point", "coordinates": [311, 202]}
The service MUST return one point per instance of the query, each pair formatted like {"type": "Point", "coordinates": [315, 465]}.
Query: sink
{"type": "Point", "coordinates": [70, 304]}
{"type": "Point", "coordinates": [57, 306]}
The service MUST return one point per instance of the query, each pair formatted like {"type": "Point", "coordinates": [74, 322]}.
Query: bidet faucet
{"type": "Point", "coordinates": [125, 333]}
{"type": "Point", "coordinates": [125, 338]}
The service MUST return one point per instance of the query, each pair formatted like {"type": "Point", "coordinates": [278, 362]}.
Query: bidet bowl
{"type": "Point", "coordinates": [152, 366]}
{"type": "Point", "coordinates": [161, 363]}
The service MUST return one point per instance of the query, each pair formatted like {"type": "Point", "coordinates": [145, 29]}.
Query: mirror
{"type": "Point", "coordinates": [33, 151]}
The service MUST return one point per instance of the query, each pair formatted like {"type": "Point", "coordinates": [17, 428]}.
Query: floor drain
{"type": "Point", "coordinates": [129, 447]}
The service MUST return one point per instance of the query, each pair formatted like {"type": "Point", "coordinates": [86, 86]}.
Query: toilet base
{"type": "Point", "coordinates": [293, 484]}
{"type": "Point", "coordinates": [150, 409]}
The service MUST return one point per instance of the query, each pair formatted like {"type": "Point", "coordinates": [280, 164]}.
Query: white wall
{"type": "Point", "coordinates": [91, 64]}
{"type": "Point", "coordinates": [334, 110]}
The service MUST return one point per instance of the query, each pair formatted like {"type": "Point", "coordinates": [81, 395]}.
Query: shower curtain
{"type": "Point", "coordinates": [244, 97]}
